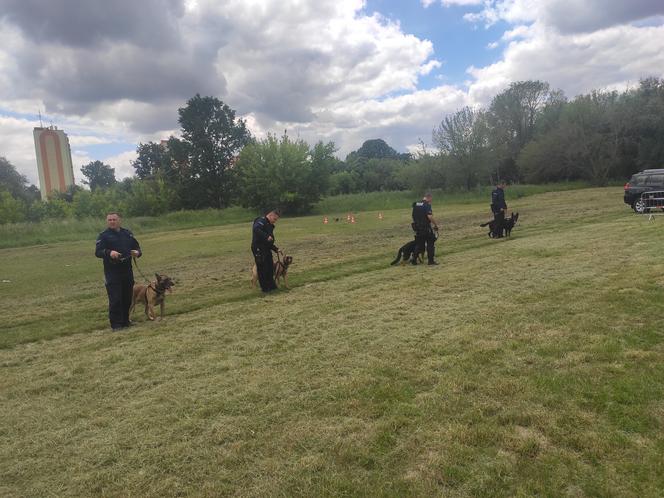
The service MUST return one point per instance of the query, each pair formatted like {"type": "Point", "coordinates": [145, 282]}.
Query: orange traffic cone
{"type": "Point", "coordinates": [325, 220]}
{"type": "Point", "coordinates": [348, 217]}
{"type": "Point", "coordinates": [352, 219]}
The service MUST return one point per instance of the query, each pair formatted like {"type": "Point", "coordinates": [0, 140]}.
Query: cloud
{"type": "Point", "coordinates": [148, 23]}
{"type": "Point", "coordinates": [568, 16]}
{"type": "Point", "coordinates": [613, 58]}
{"type": "Point", "coordinates": [447, 3]}
{"type": "Point", "coordinates": [122, 164]}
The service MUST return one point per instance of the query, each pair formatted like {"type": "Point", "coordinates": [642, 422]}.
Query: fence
{"type": "Point", "coordinates": [653, 200]}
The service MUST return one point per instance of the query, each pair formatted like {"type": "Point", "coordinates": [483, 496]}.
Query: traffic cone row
{"type": "Point", "coordinates": [350, 218]}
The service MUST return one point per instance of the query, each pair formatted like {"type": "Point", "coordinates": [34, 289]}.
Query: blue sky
{"type": "Point", "coordinates": [457, 43]}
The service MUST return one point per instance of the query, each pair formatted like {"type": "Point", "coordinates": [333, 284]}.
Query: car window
{"type": "Point", "coordinates": [637, 180]}
{"type": "Point", "coordinates": [656, 180]}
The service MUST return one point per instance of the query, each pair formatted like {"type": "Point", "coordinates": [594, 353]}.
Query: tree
{"type": "Point", "coordinates": [588, 142]}
{"type": "Point", "coordinates": [149, 160]}
{"type": "Point", "coordinates": [512, 118]}
{"type": "Point", "coordinates": [98, 175]}
{"type": "Point", "coordinates": [647, 131]}
{"type": "Point", "coordinates": [374, 166]}
{"type": "Point", "coordinates": [12, 209]}
{"type": "Point", "coordinates": [426, 172]}
{"type": "Point", "coordinates": [14, 182]}
{"type": "Point", "coordinates": [464, 138]}
{"type": "Point", "coordinates": [213, 137]}
{"type": "Point", "coordinates": [285, 173]}
{"type": "Point", "coordinates": [375, 149]}
{"type": "Point", "coordinates": [597, 133]}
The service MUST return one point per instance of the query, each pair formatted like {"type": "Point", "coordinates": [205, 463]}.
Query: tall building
{"type": "Point", "coordinates": [54, 164]}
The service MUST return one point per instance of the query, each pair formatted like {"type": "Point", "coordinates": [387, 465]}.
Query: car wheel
{"type": "Point", "coordinates": [639, 206]}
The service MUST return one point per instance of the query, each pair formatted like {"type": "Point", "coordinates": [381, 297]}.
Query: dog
{"type": "Point", "coordinates": [406, 251]}
{"type": "Point", "coordinates": [152, 295]}
{"type": "Point", "coordinates": [508, 225]}
{"type": "Point", "coordinates": [280, 271]}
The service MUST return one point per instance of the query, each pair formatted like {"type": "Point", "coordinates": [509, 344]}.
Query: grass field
{"type": "Point", "coordinates": [524, 367]}
{"type": "Point", "coordinates": [71, 229]}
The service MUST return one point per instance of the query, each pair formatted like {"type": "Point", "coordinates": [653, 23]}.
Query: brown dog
{"type": "Point", "coordinates": [280, 271]}
{"type": "Point", "coordinates": [152, 295]}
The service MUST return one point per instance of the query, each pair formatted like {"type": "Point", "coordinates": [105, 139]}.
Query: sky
{"type": "Point", "coordinates": [113, 74]}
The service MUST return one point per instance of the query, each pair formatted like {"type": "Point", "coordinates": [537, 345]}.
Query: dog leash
{"type": "Point", "coordinates": [139, 270]}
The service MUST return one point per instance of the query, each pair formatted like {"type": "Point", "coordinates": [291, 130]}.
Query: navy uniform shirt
{"type": "Point", "coordinates": [498, 200]}
{"type": "Point", "coordinates": [122, 241]}
{"type": "Point", "coordinates": [261, 230]}
{"type": "Point", "coordinates": [421, 212]}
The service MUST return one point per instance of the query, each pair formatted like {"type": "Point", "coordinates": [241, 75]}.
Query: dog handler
{"type": "Point", "coordinates": [498, 208]}
{"type": "Point", "coordinates": [262, 245]}
{"type": "Point", "coordinates": [116, 246]}
{"type": "Point", "coordinates": [422, 224]}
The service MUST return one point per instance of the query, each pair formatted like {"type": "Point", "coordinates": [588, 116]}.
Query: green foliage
{"type": "Point", "coordinates": [344, 182]}
{"type": "Point", "coordinates": [512, 120]}
{"type": "Point", "coordinates": [15, 183]}
{"type": "Point", "coordinates": [12, 210]}
{"type": "Point", "coordinates": [427, 172]}
{"type": "Point", "coordinates": [592, 140]}
{"type": "Point", "coordinates": [98, 175]}
{"type": "Point", "coordinates": [375, 149]}
{"type": "Point", "coordinates": [464, 138]}
{"type": "Point", "coordinates": [213, 137]}
{"type": "Point", "coordinates": [86, 228]}
{"type": "Point", "coordinates": [196, 168]}
{"type": "Point", "coordinates": [282, 172]}
{"type": "Point", "coordinates": [150, 160]}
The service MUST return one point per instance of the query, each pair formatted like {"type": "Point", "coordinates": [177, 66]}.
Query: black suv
{"type": "Point", "coordinates": [647, 180]}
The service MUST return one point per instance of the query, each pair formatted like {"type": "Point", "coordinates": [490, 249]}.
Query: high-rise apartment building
{"type": "Point", "coordinates": [54, 164]}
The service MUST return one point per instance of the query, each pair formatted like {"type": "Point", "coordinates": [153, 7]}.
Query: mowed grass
{"type": "Point", "coordinates": [524, 367]}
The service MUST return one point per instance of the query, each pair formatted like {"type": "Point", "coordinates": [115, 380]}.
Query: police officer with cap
{"type": "Point", "coordinates": [422, 224]}
{"type": "Point", "coordinates": [262, 246]}
{"type": "Point", "coordinates": [116, 246]}
{"type": "Point", "coordinates": [498, 208]}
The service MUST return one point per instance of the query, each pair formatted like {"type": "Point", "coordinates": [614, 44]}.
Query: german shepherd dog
{"type": "Point", "coordinates": [508, 224]}
{"type": "Point", "coordinates": [405, 253]}
{"type": "Point", "coordinates": [280, 271]}
{"type": "Point", "coordinates": [152, 295]}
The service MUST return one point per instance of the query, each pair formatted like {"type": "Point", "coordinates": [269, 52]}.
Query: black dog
{"type": "Point", "coordinates": [406, 251]}
{"type": "Point", "coordinates": [506, 229]}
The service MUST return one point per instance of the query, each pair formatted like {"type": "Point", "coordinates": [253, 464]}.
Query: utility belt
{"type": "Point", "coordinates": [422, 228]}
{"type": "Point", "coordinates": [261, 252]}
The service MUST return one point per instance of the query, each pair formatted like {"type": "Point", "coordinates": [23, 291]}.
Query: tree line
{"type": "Point", "coordinates": [528, 133]}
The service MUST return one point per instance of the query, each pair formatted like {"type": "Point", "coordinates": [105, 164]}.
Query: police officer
{"type": "Point", "coordinates": [422, 224]}
{"type": "Point", "coordinates": [262, 246]}
{"type": "Point", "coordinates": [498, 208]}
{"type": "Point", "coordinates": [116, 246]}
